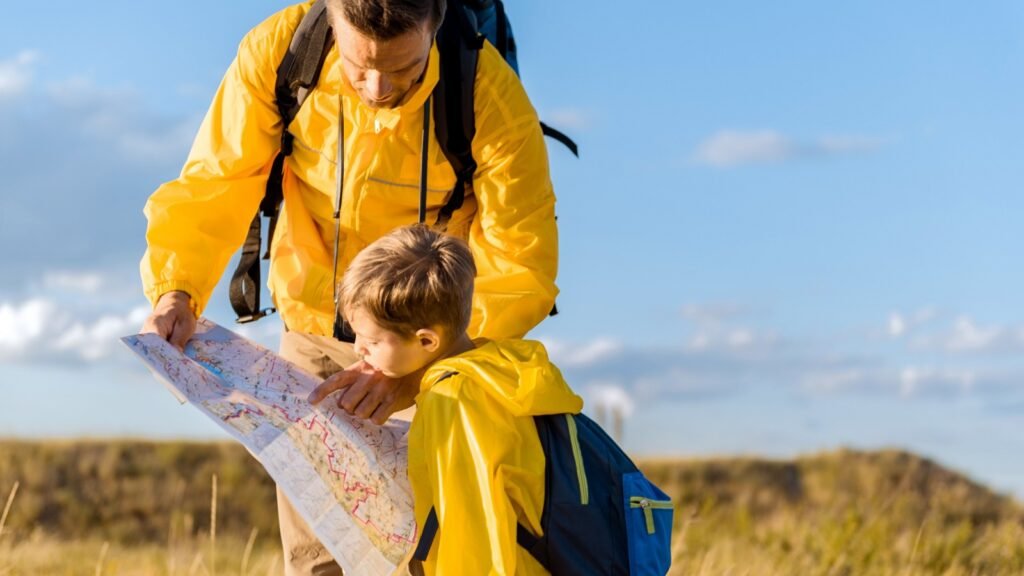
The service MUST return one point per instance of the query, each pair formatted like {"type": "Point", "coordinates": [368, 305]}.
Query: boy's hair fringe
{"type": "Point", "coordinates": [412, 278]}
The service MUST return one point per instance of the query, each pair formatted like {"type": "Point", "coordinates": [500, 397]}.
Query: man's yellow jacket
{"type": "Point", "coordinates": [199, 220]}
{"type": "Point", "coordinates": [475, 457]}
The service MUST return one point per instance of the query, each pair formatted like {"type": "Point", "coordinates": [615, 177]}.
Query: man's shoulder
{"type": "Point", "coordinates": [500, 100]}
{"type": "Point", "coordinates": [272, 36]}
{"type": "Point", "coordinates": [493, 70]}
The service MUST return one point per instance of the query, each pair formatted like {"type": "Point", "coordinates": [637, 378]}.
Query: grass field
{"type": "Point", "coordinates": [142, 508]}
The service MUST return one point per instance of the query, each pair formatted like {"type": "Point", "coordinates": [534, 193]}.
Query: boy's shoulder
{"type": "Point", "coordinates": [514, 376]}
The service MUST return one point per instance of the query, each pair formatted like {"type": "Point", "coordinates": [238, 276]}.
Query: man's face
{"type": "Point", "coordinates": [383, 72]}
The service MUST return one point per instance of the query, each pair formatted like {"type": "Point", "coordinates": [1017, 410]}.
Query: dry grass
{"type": "Point", "coordinates": [213, 526]}
{"type": "Point", "coordinates": [7, 507]}
{"type": "Point", "coordinates": [45, 556]}
{"type": "Point", "coordinates": [34, 553]}
{"type": "Point", "coordinates": [837, 514]}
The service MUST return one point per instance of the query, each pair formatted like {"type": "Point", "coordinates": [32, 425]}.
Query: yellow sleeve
{"type": "Point", "coordinates": [199, 220]}
{"type": "Point", "coordinates": [465, 442]}
{"type": "Point", "coordinates": [513, 237]}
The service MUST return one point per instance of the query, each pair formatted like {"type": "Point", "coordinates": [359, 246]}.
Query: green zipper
{"type": "Point", "coordinates": [648, 506]}
{"type": "Point", "coordinates": [581, 473]}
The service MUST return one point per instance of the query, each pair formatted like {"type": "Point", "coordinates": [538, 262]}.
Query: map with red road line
{"type": "Point", "coordinates": [346, 476]}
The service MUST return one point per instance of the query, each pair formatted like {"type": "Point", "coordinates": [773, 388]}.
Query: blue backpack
{"type": "Point", "coordinates": [601, 516]}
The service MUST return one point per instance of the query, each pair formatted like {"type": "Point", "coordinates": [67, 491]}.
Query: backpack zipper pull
{"type": "Point", "coordinates": [645, 504]}
{"type": "Point", "coordinates": [648, 506]}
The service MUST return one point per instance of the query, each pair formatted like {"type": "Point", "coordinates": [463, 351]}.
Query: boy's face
{"type": "Point", "coordinates": [388, 352]}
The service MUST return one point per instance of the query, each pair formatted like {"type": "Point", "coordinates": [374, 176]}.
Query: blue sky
{"type": "Point", "coordinates": [793, 226]}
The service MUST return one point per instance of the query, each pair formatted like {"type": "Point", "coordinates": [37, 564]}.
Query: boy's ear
{"type": "Point", "coordinates": [429, 339]}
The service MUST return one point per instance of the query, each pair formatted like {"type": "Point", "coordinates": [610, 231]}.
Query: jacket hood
{"type": "Point", "coordinates": [517, 373]}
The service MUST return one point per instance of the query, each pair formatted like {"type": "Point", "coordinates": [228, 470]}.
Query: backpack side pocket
{"type": "Point", "coordinates": [648, 513]}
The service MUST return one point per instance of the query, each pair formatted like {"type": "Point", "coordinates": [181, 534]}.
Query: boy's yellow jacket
{"type": "Point", "coordinates": [474, 454]}
{"type": "Point", "coordinates": [199, 220]}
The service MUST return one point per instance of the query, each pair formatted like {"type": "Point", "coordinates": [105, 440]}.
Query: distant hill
{"type": "Point", "coordinates": [843, 512]}
{"type": "Point", "coordinates": [838, 513]}
{"type": "Point", "coordinates": [885, 479]}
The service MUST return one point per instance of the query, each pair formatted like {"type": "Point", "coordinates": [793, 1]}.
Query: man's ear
{"type": "Point", "coordinates": [429, 339]}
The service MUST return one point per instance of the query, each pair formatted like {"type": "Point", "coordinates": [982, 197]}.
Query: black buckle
{"type": "Point", "coordinates": [254, 317]}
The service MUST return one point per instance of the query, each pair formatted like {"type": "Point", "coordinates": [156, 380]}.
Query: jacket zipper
{"type": "Point", "coordinates": [581, 473]}
{"type": "Point", "coordinates": [648, 506]}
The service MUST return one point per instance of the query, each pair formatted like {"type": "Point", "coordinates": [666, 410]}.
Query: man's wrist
{"type": "Point", "coordinates": [180, 297]}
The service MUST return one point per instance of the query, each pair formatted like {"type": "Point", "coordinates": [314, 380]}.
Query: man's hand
{"type": "Point", "coordinates": [367, 393]}
{"type": "Point", "coordinates": [172, 319]}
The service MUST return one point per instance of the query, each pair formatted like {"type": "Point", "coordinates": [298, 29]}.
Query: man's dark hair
{"type": "Point", "coordinates": [387, 19]}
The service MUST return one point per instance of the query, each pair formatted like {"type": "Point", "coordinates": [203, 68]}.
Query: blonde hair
{"type": "Point", "coordinates": [410, 279]}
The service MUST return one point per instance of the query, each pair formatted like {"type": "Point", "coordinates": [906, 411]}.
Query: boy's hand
{"type": "Point", "coordinates": [368, 394]}
{"type": "Point", "coordinates": [172, 319]}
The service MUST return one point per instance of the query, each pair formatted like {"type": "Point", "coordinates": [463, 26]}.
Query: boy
{"type": "Point", "coordinates": [474, 454]}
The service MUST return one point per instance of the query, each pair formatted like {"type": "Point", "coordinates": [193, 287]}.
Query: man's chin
{"type": "Point", "coordinates": [377, 104]}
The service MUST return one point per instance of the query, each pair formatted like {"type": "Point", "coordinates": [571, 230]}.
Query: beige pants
{"type": "Point", "coordinates": [322, 356]}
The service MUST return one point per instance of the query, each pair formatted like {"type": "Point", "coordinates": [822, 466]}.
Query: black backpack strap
{"type": "Point", "coordinates": [561, 137]}
{"type": "Point", "coordinates": [300, 68]}
{"type": "Point", "coordinates": [427, 536]}
{"type": "Point", "coordinates": [297, 75]}
{"type": "Point", "coordinates": [244, 291]}
{"type": "Point", "coordinates": [501, 29]}
{"type": "Point", "coordinates": [524, 538]}
{"type": "Point", "coordinates": [458, 43]}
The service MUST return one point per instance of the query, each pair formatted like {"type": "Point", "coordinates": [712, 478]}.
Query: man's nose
{"type": "Point", "coordinates": [378, 86]}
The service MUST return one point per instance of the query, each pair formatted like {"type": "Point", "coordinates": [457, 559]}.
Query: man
{"type": "Point", "coordinates": [375, 82]}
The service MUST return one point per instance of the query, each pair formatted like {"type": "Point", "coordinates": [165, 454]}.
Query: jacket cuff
{"type": "Point", "coordinates": [178, 286]}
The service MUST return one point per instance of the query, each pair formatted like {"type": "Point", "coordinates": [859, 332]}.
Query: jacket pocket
{"type": "Point", "coordinates": [648, 526]}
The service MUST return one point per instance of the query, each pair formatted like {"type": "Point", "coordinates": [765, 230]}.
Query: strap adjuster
{"type": "Point", "coordinates": [254, 317]}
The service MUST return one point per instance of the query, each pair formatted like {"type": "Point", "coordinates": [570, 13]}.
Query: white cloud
{"type": "Point", "coordinates": [566, 354]}
{"type": "Point", "coordinates": [914, 380]}
{"type": "Point", "coordinates": [833, 381]}
{"type": "Point", "coordinates": [113, 151]}
{"type": "Point", "coordinates": [39, 330]}
{"type": "Point", "coordinates": [723, 355]}
{"type": "Point", "coordinates": [149, 146]}
{"type": "Point", "coordinates": [96, 340]}
{"type": "Point", "coordinates": [83, 282]}
{"type": "Point", "coordinates": [715, 338]}
{"type": "Point", "coordinates": [897, 325]}
{"type": "Point", "coordinates": [699, 341]}
{"type": "Point", "coordinates": [740, 338]}
{"type": "Point", "coordinates": [713, 327]}
{"type": "Point", "coordinates": [609, 397]}
{"type": "Point", "coordinates": [114, 115]}
{"type": "Point", "coordinates": [22, 325]}
{"type": "Point", "coordinates": [565, 119]}
{"type": "Point", "coordinates": [968, 336]}
{"type": "Point", "coordinates": [927, 331]}
{"type": "Point", "coordinates": [731, 148]}
{"type": "Point", "coordinates": [728, 148]}
{"type": "Point", "coordinates": [16, 73]}
{"type": "Point", "coordinates": [712, 313]}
